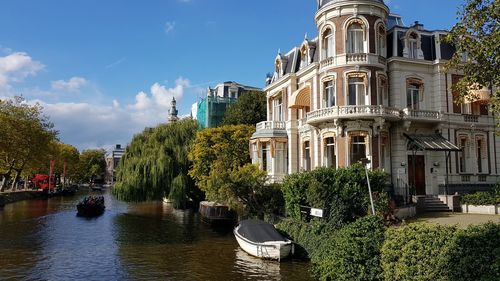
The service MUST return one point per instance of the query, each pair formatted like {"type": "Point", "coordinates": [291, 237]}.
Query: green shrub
{"type": "Point", "coordinates": [352, 253]}
{"type": "Point", "coordinates": [341, 193]}
{"type": "Point", "coordinates": [482, 198]}
{"type": "Point", "coordinates": [425, 252]}
{"type": "Point", "coordinates": [307, 237]}
{"type": "Point", "coordinates": [475, 254]}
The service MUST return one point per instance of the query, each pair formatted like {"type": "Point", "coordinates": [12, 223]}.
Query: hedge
{"type": "Point", "coordinates": [341, 193]}
{"type": "Point", "coordinates": [352, 253]}
{"type": "Point", "coordinates": [349, 253]}
{"type": "Point", "coordinates": [425, 252]}
{"type": "Point", "coordinates": [481, 198]}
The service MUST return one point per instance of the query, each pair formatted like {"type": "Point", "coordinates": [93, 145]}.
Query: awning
{"type": "Point", "coordinates": [301, 98]}
{"type": "Point", "coordinates": [433, 142]}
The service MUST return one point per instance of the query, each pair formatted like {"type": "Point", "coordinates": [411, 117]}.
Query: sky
{"type": "Point", "coordinates": [105, 69]}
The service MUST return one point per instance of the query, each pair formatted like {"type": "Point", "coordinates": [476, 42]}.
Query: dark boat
{"type": "Point", "coordinates": [91, 206]}
{"type": "Point", "coordinates": [217, 214]}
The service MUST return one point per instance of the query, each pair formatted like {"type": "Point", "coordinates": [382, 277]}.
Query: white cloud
{"type": "Point", "coordinates": [16, 67]}
{"type": "Point", "coordinates": [169, 26]}
{"type": "Point", "coordinates": [90, 125]}
{"type": "Point", "coordinates": [72, 85]}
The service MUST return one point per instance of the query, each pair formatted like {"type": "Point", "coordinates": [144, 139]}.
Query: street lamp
{"type": "Point", "coordinates": [365, 162]}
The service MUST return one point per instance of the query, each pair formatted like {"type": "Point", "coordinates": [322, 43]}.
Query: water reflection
{"type": "Point", "coordinates": [44, 240]}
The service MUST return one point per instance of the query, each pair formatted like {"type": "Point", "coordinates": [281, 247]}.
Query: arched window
{"type": "Point", "coordinates": [414, 93]}
{"type": "Point", "coordinates": [413, 46]}
{"type": "Point", "coordinates": [328, 44]}
{"type": "Point", "coordinates": [329, 94]}
{"type": "Point", "coordinates": [329, 153]}
{"type": "Point", "coordinates": [306, 156]}
{"type": "Point", "coordinates": [381, 41]}
{"type": "Point", "coordinates": [356, 91]}
{"type": "Point", "coordinates": [355, 38]}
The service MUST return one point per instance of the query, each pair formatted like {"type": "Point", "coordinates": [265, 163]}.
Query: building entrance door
{"type": "Point", "coordinates": [416, 174]}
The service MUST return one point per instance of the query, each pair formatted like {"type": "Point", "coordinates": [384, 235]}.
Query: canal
{"type": "Point", "coordinates": [44, 240]}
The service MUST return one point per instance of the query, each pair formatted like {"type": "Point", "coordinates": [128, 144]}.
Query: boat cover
{"type": "Point", "coordinates": [259, 231]}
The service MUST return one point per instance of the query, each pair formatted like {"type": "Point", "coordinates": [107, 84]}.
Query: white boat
{"type": "Point", "coordinates": [262, 240]}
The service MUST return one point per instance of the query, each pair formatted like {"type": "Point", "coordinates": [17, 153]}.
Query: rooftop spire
{"type": "Point", "coordinates": [172, 113]}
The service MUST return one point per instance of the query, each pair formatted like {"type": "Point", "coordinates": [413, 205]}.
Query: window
{"type": "Point", "coordinates": [479, 155]}
{"type": "Point", "coordinates": [281, 161]}
{"type": "Point", "coordinates": [413, 96]}
{"type": "Point", "coordinates": [255, 154]}
{"type": "Point", "coordinates": [278, 109]}
{"type": "Point", "coordinates": [358, 148]}
{"type": "Point", "coordinates": [382, 91]}
{"type": "Point", "coordinates": [355, 39]}
{"type": "Point", "coordinates": [413, 46]}
{"type": "Point", "coordinates": [329, 94]}
{"type": "Point", "coordinates": [356, 91]}
{"type": "Point", "coordinates": [303, 58]}
{"type": "Point", "coordinates": [329, 153]}
{"type": "Point", "coordinates": [328, 44]}
{"type": "Point", "coordinates": [462, 155]}
{"type": "Point", "coordinates": [266, 157]}
{"type": "Point", "coordinates": [307, 156]}
{"type": "Point", "coordinates": [381, 41]}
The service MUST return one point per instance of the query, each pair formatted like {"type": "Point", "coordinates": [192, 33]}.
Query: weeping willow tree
{"type": "Point", "coordinates": [155, 165]}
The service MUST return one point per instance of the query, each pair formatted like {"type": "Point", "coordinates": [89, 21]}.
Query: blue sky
{"type": "Point", "coordinates": [104, 70]}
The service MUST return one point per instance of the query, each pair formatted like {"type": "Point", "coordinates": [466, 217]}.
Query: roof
{"type": "Point", "coordinates": [259, 231]}
{"type": "Point", "coordinates": [432, 142]}
{"type": "Point", "coordinates": [322, 3]}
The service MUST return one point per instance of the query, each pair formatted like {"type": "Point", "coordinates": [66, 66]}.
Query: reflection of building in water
{"type": "Point", "coordinates": [265, 269]}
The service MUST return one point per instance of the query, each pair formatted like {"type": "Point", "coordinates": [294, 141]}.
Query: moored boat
{"type": "Point", "coordinates": [216, 214]}
{"type": "Point", "coordinates": [91, 206]}
{"type": "Point", "coordinates": [261, 239]}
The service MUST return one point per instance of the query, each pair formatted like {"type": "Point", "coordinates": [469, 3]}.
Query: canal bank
{"type": "Point", "coordinates": [11, 197]}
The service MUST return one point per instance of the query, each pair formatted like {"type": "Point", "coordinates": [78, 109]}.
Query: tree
{"type": "Point", "coordinates": [25, 137]}
{"type": "Point", "coordinates": [222, 169]}
{"type": "Point", "coordinates": [249, 109]}
{"type": "Point", "coordinates": [477, 35]}
{"type": "Point", "coordinates": [155, 165]}
{"type": "Point", "coordinates": [92, 165]}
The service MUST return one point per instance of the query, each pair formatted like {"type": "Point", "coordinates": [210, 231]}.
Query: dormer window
{"type": "Point", "coordinates": [304, 56]}
{"type": "Point", "coordinates": [328, 44]}
{"type": "Point", "coordinates": [278, 68]}
{"type": "Point", "coordinates": [355, 38]}
{"type": "Point", "coordinates": [412, 45]}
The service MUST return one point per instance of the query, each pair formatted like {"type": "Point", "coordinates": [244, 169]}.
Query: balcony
{"type": "Point", "coordinates": [361, 57]}
{"type": "Point", "coordinates": [422, 115]}
{"type": "Point", "coordinates": [353, 59]}
{"type": "Point", "coordinates": [271, 125]}
{"type": "Point", "coordinates": [469, 119]}
{"type": "Point", "coordinates": [352, 112]}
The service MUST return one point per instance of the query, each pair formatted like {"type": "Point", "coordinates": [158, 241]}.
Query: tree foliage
{"type": "Point", "coordinates": [155, 165]}
{"type": "Point", "coordinates": [249, 109]}
{"type": "Point", "coordinates": [25, 138]}
{"type": "Point", "coordinates": [477, 34]}
{"type": "Point", "coordinates": [91, 165]}
{"type": "Point", "coordinates": [221, 169]}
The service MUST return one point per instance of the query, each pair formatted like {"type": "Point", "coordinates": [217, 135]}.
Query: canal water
{"type": "Point", "coordinates": [45, 240]}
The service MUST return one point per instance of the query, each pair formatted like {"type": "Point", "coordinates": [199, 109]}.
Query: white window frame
{"type": "Point", "coordinates": [355, 38]}
{"type": "Point", "coordinates": [330, 163]}
{"type": "Point", "coordinates": [329, 94]}
{"type": "Point", "coordinates": [412, 102]}
{"type": "Point", "coordinates": [278, 114]}
{"type": "Point", "coordinates": [359, 94]}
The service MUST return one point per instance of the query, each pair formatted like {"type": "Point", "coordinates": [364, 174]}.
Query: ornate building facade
{"type": "Point", "coordinates": [369, 87]}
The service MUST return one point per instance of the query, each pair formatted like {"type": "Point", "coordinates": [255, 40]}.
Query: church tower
{"type": "Point", "coordinates": [172, 113]}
